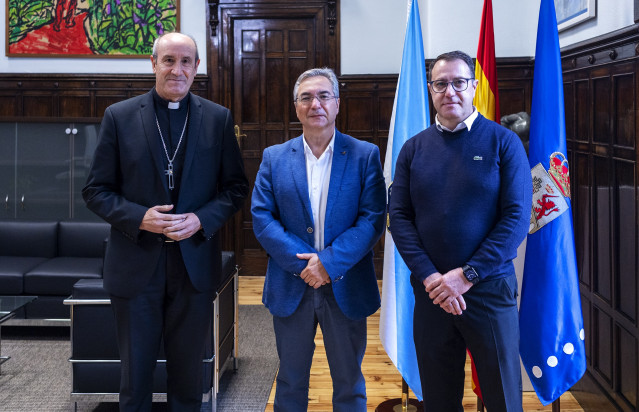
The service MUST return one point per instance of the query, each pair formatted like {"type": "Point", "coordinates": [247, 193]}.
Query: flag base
{"type": "Point", "coordinates": [395, 405]}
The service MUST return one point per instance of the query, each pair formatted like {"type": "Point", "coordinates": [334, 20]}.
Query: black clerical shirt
{"type": "Point", "coordinates": [171, 123]}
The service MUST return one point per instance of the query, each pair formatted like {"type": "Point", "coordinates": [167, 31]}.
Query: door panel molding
{"type": "Point", "coordinates": [223, 13]}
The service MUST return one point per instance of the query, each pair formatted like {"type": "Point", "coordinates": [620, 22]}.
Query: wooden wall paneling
{"type": "Point", "coordinates": [602, 185]}
{"type": "Point", "coordinates": [602, 351]}
{"type": "Point", "coordinates": [587, 311]}
{"type": "Point", "coordinates": [8, 103]}
{"type": "Point", "coordinates": [627, 375]}
{"type": "Point", "coordinates": [514, 81]}
{"type": "Point", "coordinates": [600, 83]}
{"type": "Point", "coordinates": [601, 99]}
{"type": "Point", "coordinates": [624, 85]}
{"type": "Point", "coordinates": [36, 103]}
{"type": "Point", "coordinates": [582, 215]}
{"type": "Point", "coordinates": [75, 103]}
{"type": "Point", "coordinates": [582, 110]}
{"type": "Point", "coordinates": [47, 97]}
{"type": "Point", "coordinates": [625, 242]}
{"type": "Point", "coordinates": [569, 110]}
{"type": "Point", "coordinates": [366, 106]}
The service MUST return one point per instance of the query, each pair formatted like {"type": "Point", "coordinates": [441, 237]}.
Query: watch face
{"type": "Point", "coordinates": [470, 274]}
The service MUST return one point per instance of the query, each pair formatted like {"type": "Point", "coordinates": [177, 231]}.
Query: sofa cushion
{"type": "Point", "coordinates": [12, 270]}
{"type": "Point", "coordinates": [82, 239]}
{"type": "Point", "coordinates": [21, 238]}
{"type": "Point", "coordinates": [56, 276]}
{"type": "Point", "coordinates": [89, 289]}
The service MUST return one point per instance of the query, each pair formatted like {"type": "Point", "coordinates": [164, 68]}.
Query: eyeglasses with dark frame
{"type": "Point", "coordinates": [307, 99]}
{"type": "Point", "coordinates": [459, 85]}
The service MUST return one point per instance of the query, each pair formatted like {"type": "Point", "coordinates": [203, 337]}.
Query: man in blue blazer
{"type": "Point", "coordinates": [318, 210]}
{"type": "Point", "coordinates": [166, 174]}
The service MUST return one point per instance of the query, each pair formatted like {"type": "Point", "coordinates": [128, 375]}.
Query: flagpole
{"type": "Point", "coordinates": [403, 404]}
{"type": "Point", "coordinates": [556, 406]}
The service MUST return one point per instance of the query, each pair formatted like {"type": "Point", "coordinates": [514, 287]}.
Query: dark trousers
{"type": "Point", "coordinates": [345, 342]}
{"type": "Point", "coordinates": [489, 327]}
{"type": "Point", "coordinates": [169, 307]}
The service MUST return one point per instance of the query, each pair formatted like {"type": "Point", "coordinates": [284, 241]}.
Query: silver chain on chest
{"type": "Point", "coordinates": [169, 171]}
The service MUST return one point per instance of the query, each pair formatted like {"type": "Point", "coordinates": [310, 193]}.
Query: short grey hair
{"type": "Point", "coordinates": [325, 72]}
{"type": "Point", "coordinates": [155, 44]}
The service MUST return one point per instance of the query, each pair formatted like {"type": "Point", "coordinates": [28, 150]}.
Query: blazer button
{"type": "Point", "coordinates": [309, 229]}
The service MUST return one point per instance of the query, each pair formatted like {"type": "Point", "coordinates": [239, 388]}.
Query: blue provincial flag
{"type": "Point", "coordinates": [410, 116]}
{"type": "Point", "coordinates": [551, 323]}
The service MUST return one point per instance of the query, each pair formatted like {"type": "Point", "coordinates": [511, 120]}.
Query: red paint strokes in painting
{"type": "Point", "coordinates": [45, 40]}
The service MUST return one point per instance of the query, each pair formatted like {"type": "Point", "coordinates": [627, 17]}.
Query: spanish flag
{"type": "Point", "coordinates": [486, 97]}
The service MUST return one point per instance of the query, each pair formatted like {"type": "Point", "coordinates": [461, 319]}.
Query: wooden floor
{"type": "Point", "coordinates": [383, 382]}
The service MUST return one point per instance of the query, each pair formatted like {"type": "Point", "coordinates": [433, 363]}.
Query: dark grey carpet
{"type": "Point", "coordinates": [38, 375]}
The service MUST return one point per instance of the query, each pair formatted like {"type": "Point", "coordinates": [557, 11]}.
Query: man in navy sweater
{"type": "Point", "coordinates": [460, 207]}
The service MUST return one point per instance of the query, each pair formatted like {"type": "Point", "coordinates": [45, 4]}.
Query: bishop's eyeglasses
{"type": "Point", "coordinates": [307, 99]}
{"type": "Point", "coordinates": [459, 85]}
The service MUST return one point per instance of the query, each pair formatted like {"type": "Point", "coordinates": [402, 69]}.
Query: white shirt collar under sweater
{"type": "Point", "coordinates": [467, 123]}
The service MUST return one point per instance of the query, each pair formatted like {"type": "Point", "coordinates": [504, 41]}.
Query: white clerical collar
{"type": "Point", "coordinates": [174, 105]}
{"type": "Point", "coordinates": [465, 124]}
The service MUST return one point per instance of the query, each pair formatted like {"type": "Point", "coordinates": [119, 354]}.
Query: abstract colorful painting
{"type": "Point", "coordinates": [87, 28]}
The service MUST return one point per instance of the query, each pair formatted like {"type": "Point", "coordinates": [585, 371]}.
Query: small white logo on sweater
{"type": "Point", "coordinates": [478, 158]}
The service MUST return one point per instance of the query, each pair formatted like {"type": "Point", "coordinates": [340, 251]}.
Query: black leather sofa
{"type": "Point", "coordinates": [94, 353]}
{"type": "Point", "coordinates": [45, 259]}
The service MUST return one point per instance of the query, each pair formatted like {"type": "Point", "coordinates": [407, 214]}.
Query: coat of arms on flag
{"type": "Point", "coordinates": [549, 189]}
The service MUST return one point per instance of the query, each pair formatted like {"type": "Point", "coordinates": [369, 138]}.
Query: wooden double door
{"type": "Point", "coordinates": [259, 51]}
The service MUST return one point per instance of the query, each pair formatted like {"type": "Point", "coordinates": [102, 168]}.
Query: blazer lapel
{"type": "Point", "coordinates": [147, 112]}
{"type": "Point", "coordinates": [298, 171]}
{"type": "Point", "coordinates": [337, 173]}
{"type": "Point", "coordinates": [195, 122]}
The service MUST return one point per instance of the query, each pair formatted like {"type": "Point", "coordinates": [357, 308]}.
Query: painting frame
{"type": "Point", "coordinates": [573, 12]}
{"type": "Point", "coordinates": [87, 28]}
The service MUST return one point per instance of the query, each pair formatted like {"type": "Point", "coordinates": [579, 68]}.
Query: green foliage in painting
{"type": "Point", "coordinates": [112, 27]}
{"type": "Point", "coordinates": [28, 15]}
{"type": "Point", "coordinates": [128, 26]}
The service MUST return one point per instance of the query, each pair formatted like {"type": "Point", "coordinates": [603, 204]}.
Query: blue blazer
{"type": "Point", "coordinates": [283, 222]}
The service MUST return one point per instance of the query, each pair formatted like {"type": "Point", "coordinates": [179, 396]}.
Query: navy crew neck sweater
{"type": "Point", "coordinates": [461, 198]}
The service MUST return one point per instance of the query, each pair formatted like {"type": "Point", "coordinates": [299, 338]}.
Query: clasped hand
{"type": "Point", "coordinates": [314, 274]}
{"type": "Point", "coordinates": [173, 226]}
{"type": "Point", "coordinates": [446, 290]}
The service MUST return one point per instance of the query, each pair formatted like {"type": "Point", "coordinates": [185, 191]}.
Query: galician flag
{"type": "Point", "coordinates": [551, 323]}
{"type": "Point", "coordinates": [410, 116]}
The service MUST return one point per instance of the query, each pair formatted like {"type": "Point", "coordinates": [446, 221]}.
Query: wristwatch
{"type": "Point", "coordinates": [471, 274]}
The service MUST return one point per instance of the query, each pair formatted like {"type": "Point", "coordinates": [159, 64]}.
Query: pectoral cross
{"type": "Point", "coordinates": [169, 173]}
